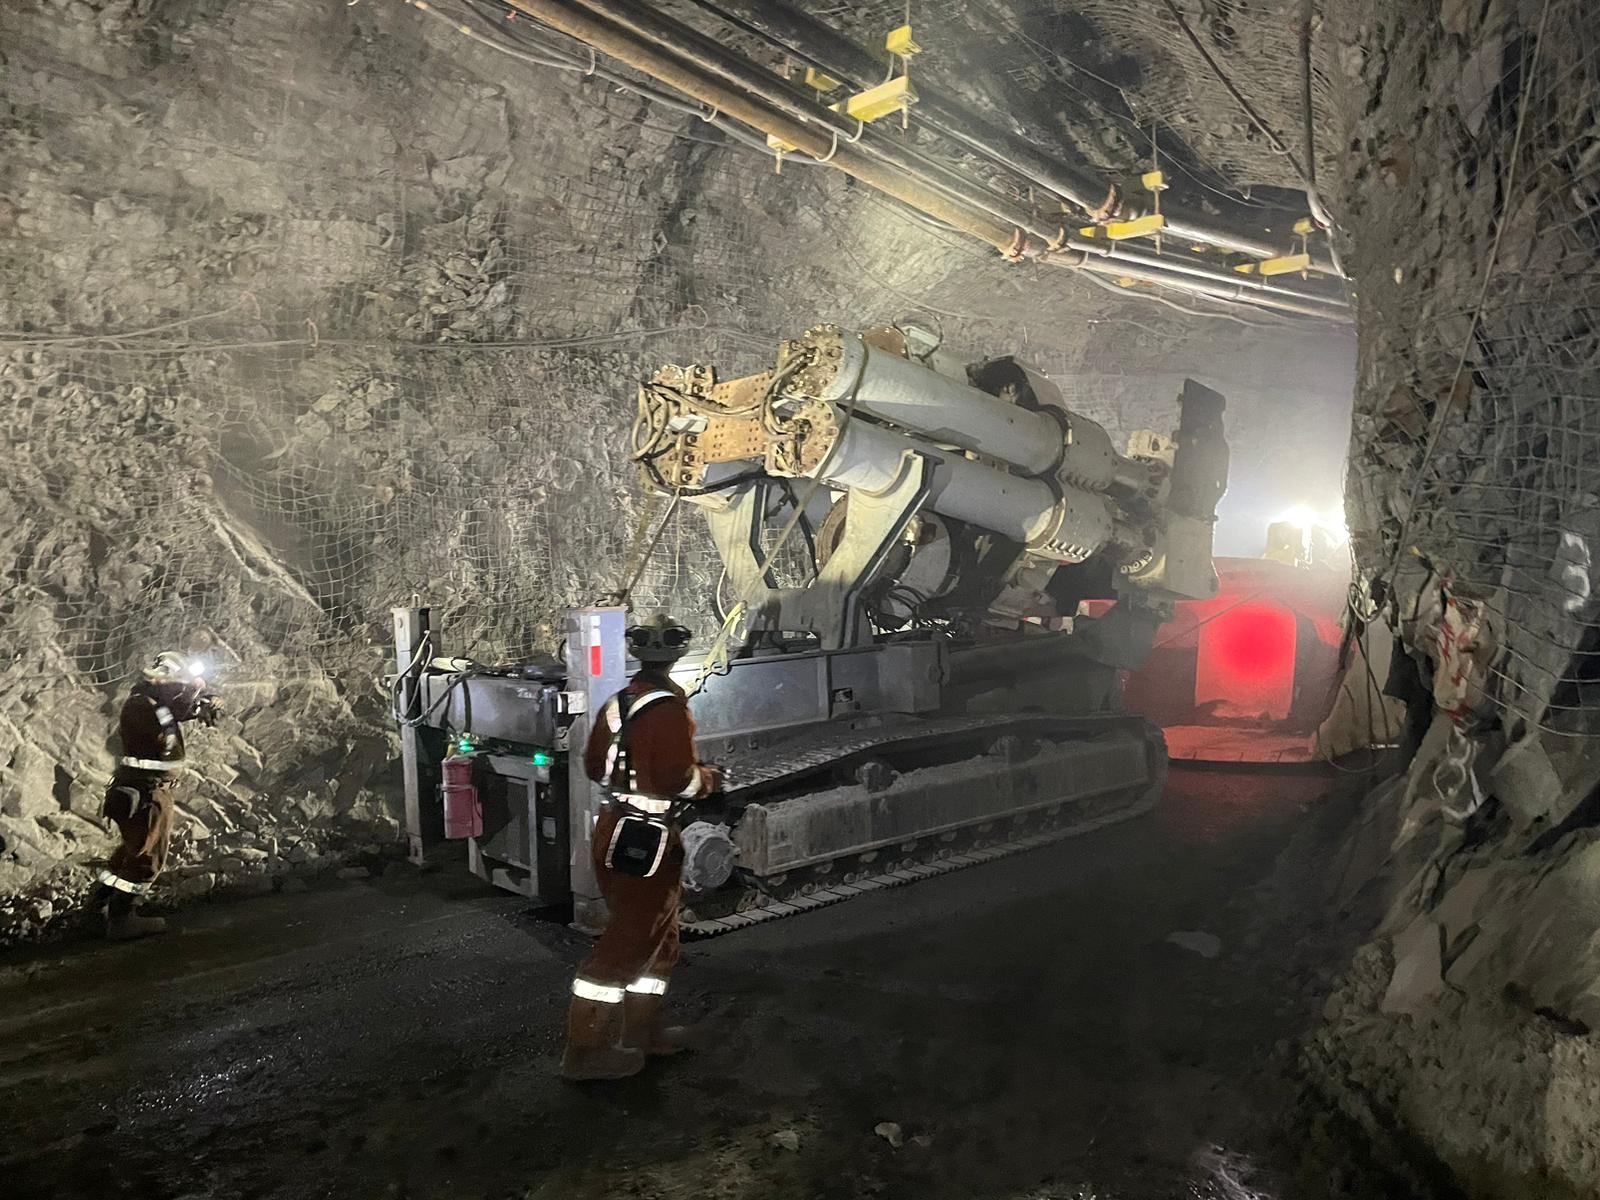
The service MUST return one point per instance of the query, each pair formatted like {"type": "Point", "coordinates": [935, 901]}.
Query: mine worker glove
{"type": "Point", "coordinates": [209, 708]}
{"type": "Point", "coordinates": [716, 778]}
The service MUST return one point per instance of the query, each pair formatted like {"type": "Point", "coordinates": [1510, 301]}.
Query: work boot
{"type": "Point", "coordinates": [98, 903]}
{"type": "Point", "coordinates": [124, 925]}
{"type": "Point", "coordinates": [592, 1043]}
{"type": "Point", "coordinates": [644, 1026]}
{"type": "Point", "coordinates": [130, 925]}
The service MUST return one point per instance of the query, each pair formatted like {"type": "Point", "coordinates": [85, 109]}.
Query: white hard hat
{"type": "Point", "coordinates": [659, 640]}
{"type": "Point", "coordinates": [169, 667]}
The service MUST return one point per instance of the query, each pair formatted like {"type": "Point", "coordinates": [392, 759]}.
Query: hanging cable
{"type": "Point", "coordinates": [625, 594]}
{"type": "Point", "coordinates": [1276, 142]}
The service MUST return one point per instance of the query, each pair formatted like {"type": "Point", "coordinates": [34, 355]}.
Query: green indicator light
{"type": "Point", "coordinates": [543, 759]}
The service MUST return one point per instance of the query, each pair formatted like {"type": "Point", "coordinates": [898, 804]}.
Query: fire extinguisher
{"type": "Point", "coordinates": [463, 814]}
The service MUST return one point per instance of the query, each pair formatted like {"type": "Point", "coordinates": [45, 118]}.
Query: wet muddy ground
{"type": "Point", "coordinates": [1027, 1025]}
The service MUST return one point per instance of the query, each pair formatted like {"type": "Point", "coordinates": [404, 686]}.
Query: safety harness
{"type": "Point", "coordinates": [620, 776]}
{"type": "Point", "coordinates": [639, 841]}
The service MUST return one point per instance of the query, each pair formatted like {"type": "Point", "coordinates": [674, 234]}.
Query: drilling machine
{"type": "Point", "coordinates": [908, 688]}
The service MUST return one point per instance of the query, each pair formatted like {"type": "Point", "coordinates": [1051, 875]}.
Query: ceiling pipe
{"type": "Point", "coordinates": [588, 21]}
{"type": "Point", "coordinates": [802, 104]}
{"type": "Point", "coordinates": [1116, 252]}
{"type": "Point", "coordinates": [1227, 289]}
{"type": "Point", "coordinates": [810, 41]}
{"type": "Point", "coordinates": [1185, 229]}
{"type": "Point", "coordinates": [807, 39]}
{"type": "Point", "coordinates": [593, 29]}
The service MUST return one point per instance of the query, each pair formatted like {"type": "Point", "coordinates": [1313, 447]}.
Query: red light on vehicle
{"type": "Point", "coordinates": [1246, 662]}
{"type": "Point", "coordinates": [1252, 640]}
{"type": "Point", "coordinates": [594, 661]}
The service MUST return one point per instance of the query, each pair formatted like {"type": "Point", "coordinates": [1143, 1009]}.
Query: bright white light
{"type": "Point", "coordinates": [197, 669]}
{"type": "Point", "coordinates": [1301, 516]}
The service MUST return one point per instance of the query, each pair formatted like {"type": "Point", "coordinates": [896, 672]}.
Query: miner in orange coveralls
{"type": "Point", "coordinates": [641, 751]}
{"type": "Point", "coordinates": [139, 799]}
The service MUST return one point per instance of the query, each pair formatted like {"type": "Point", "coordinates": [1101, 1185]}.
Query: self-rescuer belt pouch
{"type": "Point", "coordinates": [637, 847]}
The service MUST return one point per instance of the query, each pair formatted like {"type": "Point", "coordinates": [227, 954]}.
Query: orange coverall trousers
{"type": "Point", "coordinates": [642, 937]}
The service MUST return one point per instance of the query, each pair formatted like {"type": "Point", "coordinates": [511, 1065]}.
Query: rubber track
{"type": "Point", "coordinates": [775, 910]}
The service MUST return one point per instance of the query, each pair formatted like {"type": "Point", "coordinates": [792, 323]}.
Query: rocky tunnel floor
{"type": "Point", "coordinates": [1027, 1026]}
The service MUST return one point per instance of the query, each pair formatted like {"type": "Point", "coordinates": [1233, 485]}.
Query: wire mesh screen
{"type": "Point", "coordinates": [314, 308]}
{"type": "Point", "coordinates": [1474, 462]}
{"type": "Point", "coordinates": [345, 364]}
{"type": "Point", "coordinates": [354, 315]}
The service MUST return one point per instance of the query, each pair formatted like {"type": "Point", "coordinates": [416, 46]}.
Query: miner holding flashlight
{"type": "Point", "coordinates": [139, 798]}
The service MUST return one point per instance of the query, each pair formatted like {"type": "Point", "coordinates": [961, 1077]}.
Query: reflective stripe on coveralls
{"type": "Point", "coordinates": [648, 985]}
{"type": "Point", "coordinates": [613, 714]}
{"type": "Point", "coordinates": [151, 764]}
{"type": "Point", "coordinates": [600, 993]}
{"type": "Point", "coordinates": [123, 885]}
{"type": "Point", "coordinates": [647, 804]}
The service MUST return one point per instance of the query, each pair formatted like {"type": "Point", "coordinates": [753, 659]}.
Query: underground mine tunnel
{"type": "Point", "coordinates": [1112, 486]}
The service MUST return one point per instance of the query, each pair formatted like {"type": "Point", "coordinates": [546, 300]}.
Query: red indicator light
{"type": "Point", "coordinates": [1246, 661]}
{"type": "Point", "coordinates": [594, 661]}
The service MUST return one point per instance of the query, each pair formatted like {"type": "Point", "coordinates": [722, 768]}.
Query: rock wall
{"type": "Point", "coordinates": [311, 308]}
{"type": "Point", "coordinates": [1466, 1030]}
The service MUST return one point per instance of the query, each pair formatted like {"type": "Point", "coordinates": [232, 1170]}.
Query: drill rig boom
{"type": "Point", "coordinates": [968, 504]}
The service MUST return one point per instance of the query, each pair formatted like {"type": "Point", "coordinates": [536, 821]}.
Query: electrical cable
{"type": "Point", "coordinates": [395, 686]}
{"type": "Point", "coordinates": [1307, 106]}
{"type": "Point", "coordinates": [560, 59]}
{"type": "Point", "coordinates": [626, 593]}
{"type": "Point", "coordinates": [1129, 126]}
{"type": "Point", "coordinates": [1319, 210]}
{"type": "Point", "coordinates": [645, 452]}
{"type": "Point", "coordinates": [1276, 142]}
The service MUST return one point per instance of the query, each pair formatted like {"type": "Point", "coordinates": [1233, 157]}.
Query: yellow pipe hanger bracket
{"type": "Point", "coordinates": [901, 44]}
{"type": "Point", "coordinates": [893, 95]}
{"type": "Point", "coordinates": [821, 81]}
{"type": "Point", "coordinates": [1297, 263]}
{"type": "Point", "coordinates": [1149, 225]}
